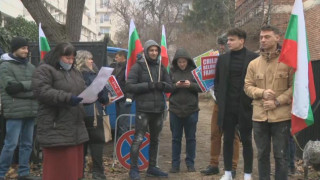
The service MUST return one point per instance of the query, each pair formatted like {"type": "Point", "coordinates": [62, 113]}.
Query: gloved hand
{"type": "Point", "coordinates": [160, 86]}
{"type": "Point", "coordinates": [151, 85]}
{"type": "Point", "coordinates": [75, 100]}
{"type": "Point", "coordinates": [128, 102]}
{"type": "Point", "coordinates": [14, 88]}
{"type": "Point", "coordinates": [100, 94]}
{"type": "Point", "coordinates": [103, 97]}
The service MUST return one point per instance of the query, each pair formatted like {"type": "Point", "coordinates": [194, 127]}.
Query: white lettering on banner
{"type": "Point", "coordinates": [208, 64]}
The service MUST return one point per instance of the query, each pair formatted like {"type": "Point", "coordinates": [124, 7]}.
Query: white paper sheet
{"type": "Point", "coordinates": [90, 94]}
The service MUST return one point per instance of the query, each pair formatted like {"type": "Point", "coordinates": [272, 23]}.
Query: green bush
{"type": "Point", "coordinates": [17, 27]}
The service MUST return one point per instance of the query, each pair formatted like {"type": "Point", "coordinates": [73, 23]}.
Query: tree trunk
{"type": "Point", "coordinates": [54, 31]}
{"type": "Point", "coordinates": [74, 19]}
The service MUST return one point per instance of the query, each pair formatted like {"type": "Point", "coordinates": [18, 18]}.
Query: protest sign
{"type": "Point", "coordinates": [114, 89]}
{"type": "Point", "coordinates": [208, 67]}
{"type": "Point", "coordinates": [197, 60]}
{"type": "Point", "coordinates": [205, 85]}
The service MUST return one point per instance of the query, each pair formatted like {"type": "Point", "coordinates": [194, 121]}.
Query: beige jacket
{"type": "Point", "coordinates": [265, 74]}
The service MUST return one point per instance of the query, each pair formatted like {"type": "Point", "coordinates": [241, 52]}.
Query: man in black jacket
{"type": "Point", "coordinates": [230, 73]}
{"type": "Point", "coordinates": [121, 106]}
{"type": "Point", "coordinates": [148, 81]}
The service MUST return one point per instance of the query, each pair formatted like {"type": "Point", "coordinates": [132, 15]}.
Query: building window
{"type": "Point", "coordinates": [104, 3]}
{"type": "Point", "coordinates": [104, 30]}
{"type": "Point", "coordinates": [104, 18]}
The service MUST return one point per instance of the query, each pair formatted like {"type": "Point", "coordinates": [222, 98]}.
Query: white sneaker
{"type": "Point", "coordinates": [247, 177]}
{"type": "Point", "coordinates": [225, 177]}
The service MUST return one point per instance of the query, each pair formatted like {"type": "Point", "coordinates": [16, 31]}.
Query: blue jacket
{"type": "Point", "coordinates": [89, 76]}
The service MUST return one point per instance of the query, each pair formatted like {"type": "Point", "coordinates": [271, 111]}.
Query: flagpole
{"type": "Point", "coordinates": [159, 69]}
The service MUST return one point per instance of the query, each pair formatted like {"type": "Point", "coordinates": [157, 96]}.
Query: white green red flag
{"type": "Point", "coordinates": [295, 53]}
{"type": "Point", "coordinates": [164, 52]}
{"type": "Point", "coordinates": [43, 43]}
{"type": "Point", "coordinates": [134, 47]}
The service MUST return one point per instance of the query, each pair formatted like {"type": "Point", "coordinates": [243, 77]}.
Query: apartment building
{"type": "Point", "coordinates": [58, 9]}
{"type": "Point", "coordinates": [104, 18]}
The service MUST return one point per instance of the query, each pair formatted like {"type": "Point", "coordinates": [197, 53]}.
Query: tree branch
{"type": "Point", "coordinates": [54, 31]}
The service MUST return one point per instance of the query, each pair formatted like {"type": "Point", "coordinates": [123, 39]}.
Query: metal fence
{"type": "Point", "coordinates": [98, 50]}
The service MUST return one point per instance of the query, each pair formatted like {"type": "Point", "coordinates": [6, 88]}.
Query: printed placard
{"type": "Point", "coordinates": [208, 67]}
{"type": "Point", "coordinates": [114, 89]}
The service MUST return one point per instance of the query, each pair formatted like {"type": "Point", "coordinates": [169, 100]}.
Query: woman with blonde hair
{"type": "Point", "coordinates": [89, 71]}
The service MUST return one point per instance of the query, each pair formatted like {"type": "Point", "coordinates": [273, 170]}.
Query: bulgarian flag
{"type": "Point", "coordinates": [43, 43]}
{"type": "Point", "coordinates": [164, 53]}
{"type": "Point", "coordinates": [295, 53]}
{"type": "Point", "coordinates": [134, 47]}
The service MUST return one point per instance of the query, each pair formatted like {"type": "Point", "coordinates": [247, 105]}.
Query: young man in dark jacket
{"type": "Point", "coordinates": [148, 81]}
{"type": "Point", "coordinates": [217, 132]}
{"type": "Point", "coordinates": [184, 111]}
{"type": "Point", "coordinates": [234, 105]}
{"type": "Point", "coordinates": [121, 106]}
{"type": "Point", "coordinates": [19, 107]}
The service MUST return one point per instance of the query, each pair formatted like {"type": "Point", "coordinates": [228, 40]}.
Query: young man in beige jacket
{"type": "Point", "coordinates": [269, 83]}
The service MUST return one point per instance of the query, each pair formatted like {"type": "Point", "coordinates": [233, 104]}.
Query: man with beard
{"type": "Point", "coordinates": [19, 107]}
{"type": "Point", "coordinates": [269, 83]}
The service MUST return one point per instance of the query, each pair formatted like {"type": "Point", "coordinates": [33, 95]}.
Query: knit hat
{"type": "Point", "coordinates": [223, 39]}
{"type": "Point", "coordinates": [17, 43]}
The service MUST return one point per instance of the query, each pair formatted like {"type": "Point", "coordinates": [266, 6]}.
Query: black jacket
{"type": "Point", "coordinates": [183, 101]}
{"type": "Point", "coordinates": [221, 87]}
{"type": "Point", "coordinates": [59, 123]}
{"type": "Point", "coordinates": [137, 83]}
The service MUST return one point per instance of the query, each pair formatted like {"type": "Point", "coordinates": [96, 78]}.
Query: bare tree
{"type": "Point", "coordinates": [55, 31]}
{"type": "Point", "coordinates": [149, 16]}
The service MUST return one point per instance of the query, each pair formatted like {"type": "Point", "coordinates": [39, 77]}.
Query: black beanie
{"type": "Point", "coordinates": [17, 43]}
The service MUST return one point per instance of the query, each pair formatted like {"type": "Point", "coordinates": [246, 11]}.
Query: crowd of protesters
{"type": "Point", "coordinates": [252, 98]}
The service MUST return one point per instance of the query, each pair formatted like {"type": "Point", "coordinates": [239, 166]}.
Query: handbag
{"type": "Point", "coordinates": [107, 128]}
{"type": "Point", "coordinates": [99, 133]}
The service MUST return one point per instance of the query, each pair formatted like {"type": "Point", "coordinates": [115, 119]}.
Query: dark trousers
{"type": "Point", "coordinates": [216, 136]}
{"type": "Point", "coordinates": [96, 152]}
{"type": "Point", "coordinates": [154, 122]}
{"type": "Point", "coordinates": [278, 134]}
{"type": "Point", "coordinates": [189, 125]}
{"type": "Point", "coordinates": [96, 149]}
{"type": "Point", "coordinates": [291, 152]}
{"type": "Point", "coordinates": [123, 122]}
{"type": "Point", "coordinates": [229, 126]}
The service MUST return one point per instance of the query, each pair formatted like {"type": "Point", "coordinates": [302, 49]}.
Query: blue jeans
{"type": "Point", "coordinates": [189, 124]}
{"type": "Point", "coordinates": [15, 129]}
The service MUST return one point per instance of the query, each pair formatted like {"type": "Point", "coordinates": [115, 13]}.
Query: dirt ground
{"type": "Point", "coordinates": [164, 160]}
{"type": "Point", "coordinates": [202, 156]}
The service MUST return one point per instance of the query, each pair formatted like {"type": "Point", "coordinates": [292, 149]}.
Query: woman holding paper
{"type": "Point", "coordinates": [183, 111]}
{"type": "Point", "coordinates": [61, 129]}
{"type": "Point", "coordinates": [94, 113]}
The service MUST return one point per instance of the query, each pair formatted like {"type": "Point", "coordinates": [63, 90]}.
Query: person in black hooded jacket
{"type": "Point", "coordinates": [183, 111]}
{"type": "Point", "coordinates": [148, 81]}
